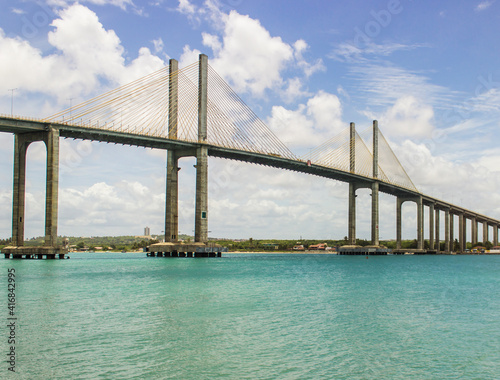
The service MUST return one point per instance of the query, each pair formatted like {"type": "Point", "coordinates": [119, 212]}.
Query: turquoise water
{"type": "Point", "coordinates": [251, 316]}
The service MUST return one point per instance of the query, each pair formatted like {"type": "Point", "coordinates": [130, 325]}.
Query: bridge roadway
{"type": "Point", "coordinates": [185, 148]}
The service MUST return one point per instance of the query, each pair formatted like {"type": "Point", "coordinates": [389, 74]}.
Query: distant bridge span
{"type": "Point", "coordinates": [235, 143]}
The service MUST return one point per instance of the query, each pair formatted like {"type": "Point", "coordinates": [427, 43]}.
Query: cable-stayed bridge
{"type": "Point", "coordinates": [194, 112]}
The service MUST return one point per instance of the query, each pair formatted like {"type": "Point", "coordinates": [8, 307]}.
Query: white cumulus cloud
{"type": "Point", "coordinates": [408, 117]}
{"type": "Point", "coordinates": [87, 58]}
{"type": "Point", "coordinates": [310, 124]}
{"type": "Point", "coordinates": [247, 55]}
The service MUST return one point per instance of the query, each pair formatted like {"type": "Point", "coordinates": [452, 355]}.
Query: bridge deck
{"type": "Point", "coordinates": [188, 148]}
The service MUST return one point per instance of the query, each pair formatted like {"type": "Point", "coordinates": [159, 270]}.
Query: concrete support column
{"type": "Point", "coordinates": [201, 212]}
{"type": "Point", "coordinates": [352, 186]}
{"type": "Point", "coordinates": [495, 234]}
{"type": "Point", "coordinates": [172, 192]}
{"type": "Point", "coordinates": [18, 204]}
{"type": "Point", "coordinates": [352, 214]}
{"type": "Point", "coordinates": [21, 143]}
{"type": "Point", "coordinates": [452, 236]}
{"type": "Point", "coordinates": [375, 204]}
{"type": "Point", "coordinates": [462, 229]}
{"type": "Point", "coordinates": [438, 245]}
{"type": "Point", "coordinates": [52, 187]}
{"type": "Point", "coordinates": [485, 232]}
{"type": "Point", "coordinates": [473, 230]}
{"type": "Point", "coordinates": [201, 225]}
{"type": "Point", "coordinates": [172, 198]}
{"type": "Point", "coordinates": [375, 214]}
{"type": "Point", "coordinates": [431, 226]}
{"type": "Point", "coordinates": [420, 223]}
{"type": "Point", "coordinates": [447, 230]}
{"type": "Point", "coordinates": [399, 204]}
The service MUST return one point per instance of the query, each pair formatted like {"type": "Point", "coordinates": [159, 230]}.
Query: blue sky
{"type": "Point", "coordinates": [428, 71]}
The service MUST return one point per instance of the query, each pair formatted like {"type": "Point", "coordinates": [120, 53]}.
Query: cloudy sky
{"type": "Point", "coordinates": [428, 71]}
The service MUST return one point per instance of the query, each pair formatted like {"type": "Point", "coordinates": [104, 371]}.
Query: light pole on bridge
{"type": "Point", "coordinates": [12, 101]}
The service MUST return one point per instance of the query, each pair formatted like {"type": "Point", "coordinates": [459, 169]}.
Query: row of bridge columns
{"type": "Point", "coordinates": [434, 211]}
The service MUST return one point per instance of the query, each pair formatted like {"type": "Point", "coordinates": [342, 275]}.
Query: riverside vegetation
{"type": "Point", "coordinates": [133, 243]}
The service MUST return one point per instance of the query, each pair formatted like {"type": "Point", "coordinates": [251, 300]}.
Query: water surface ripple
{"type": "Point", "coordinates": [255, 316]}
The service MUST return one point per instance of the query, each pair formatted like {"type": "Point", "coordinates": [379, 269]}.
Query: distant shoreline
{"type": "Point", "coordinates": [289, 252]}
{"type": "Point", "coordinates": [336, 253]}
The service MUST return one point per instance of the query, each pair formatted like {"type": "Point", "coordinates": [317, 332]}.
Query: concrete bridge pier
{"type": "Point", "coordinates": [485, 232]}
{"type": "Point", "coordinates": [353, 186]}
{"type": "Point", "coordinates": [399, 204]}
{"type": "Point", "coordinates": [201, 212]}
{"type": "Point", "coordinates": [462, 231]}
{"type": "Point", "coordinates": [375, 187]}
{"type": "Point", "coordinates": [172, 191]}
{"type": "Point", "coordinates": [172, 198]}
{"type": "Point", "coordinates": [21, 143]}
{"type": "Point", "coordinates": [375, 215]}
{"type": "Point", "coordinates": [352, 214]}
{"type": "Point", "coordinates": [431, 225]}
{"type": "Point", "coordinates": [438, 243]}
{"type": "Point", "coordinates": [52, 187]}
{"type": "Point", "coordinates": [447, 248]}
{"type": "Point", "coordinates": [474, 230]}
{"type": "Point", "coordinates": [420, 220]}
{"type": "Point", "coordinates": [451, 232]}
{"type": "Point", "coordinates": [495, 234]}
{"type": "Point", "coordinates": [201, 154]}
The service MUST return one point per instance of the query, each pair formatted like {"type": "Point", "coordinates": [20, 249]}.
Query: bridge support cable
{"type": "Point", "coordinates": [232, 124]}
{"type": "Point", "coordinates": [140, 107]}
